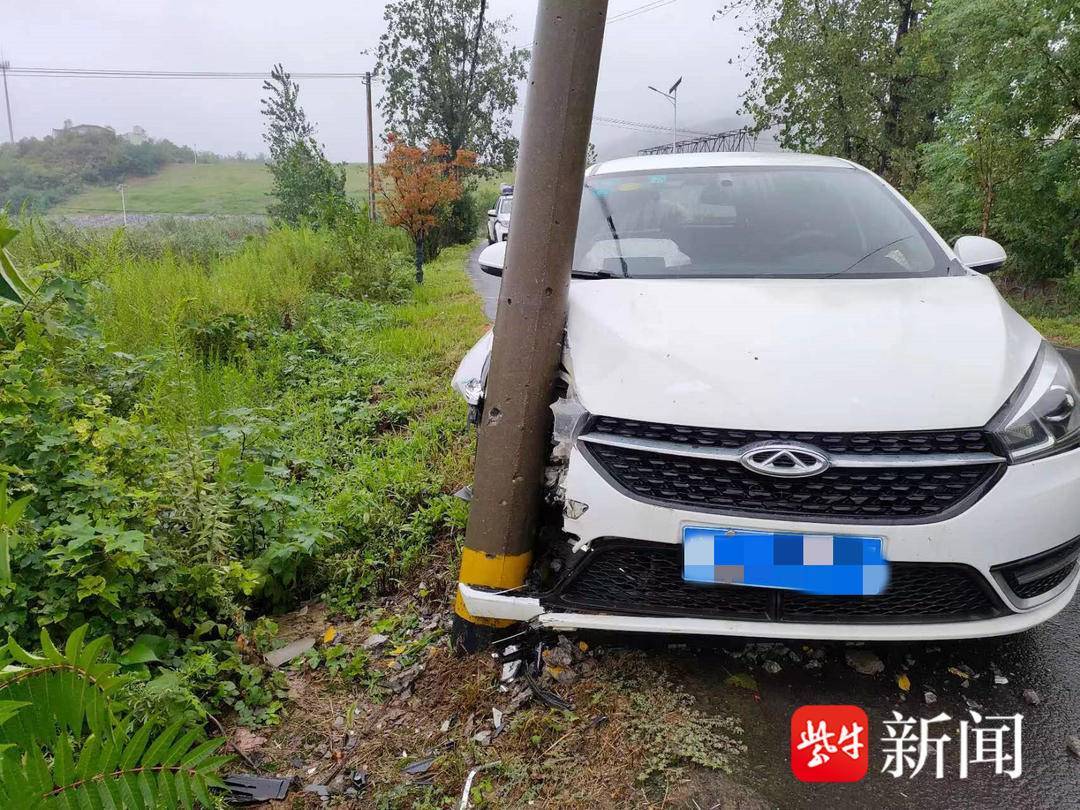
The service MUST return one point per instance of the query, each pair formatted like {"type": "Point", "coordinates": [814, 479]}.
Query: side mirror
{"type": "Point", "coordinates": [979, 253]}
{"type": "Point", "coordinates": [491, 212]}
{"type": "Point", "coordinates": [493, 258]}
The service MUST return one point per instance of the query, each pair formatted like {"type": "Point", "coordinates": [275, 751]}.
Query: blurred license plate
{"type": "Point", "coordinates": [826, 564]}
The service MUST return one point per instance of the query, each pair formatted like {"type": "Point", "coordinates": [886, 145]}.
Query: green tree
{"type": "Point", "coordinates": [450, 76]}
{"type": "Point", "coordinates": [1007, 162]}
{"type": "Point", "coordinates": [307, 186]}
{"type": "Point", "coordinates": [854, 78]}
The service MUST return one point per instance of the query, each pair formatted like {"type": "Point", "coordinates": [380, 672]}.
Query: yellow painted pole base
{"type": "Point", "coordinates": [499, 571]}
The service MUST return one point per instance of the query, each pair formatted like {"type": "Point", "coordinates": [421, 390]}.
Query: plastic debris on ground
{"type": "Point", "coordinates": [282, 656]}
{"type": "Point", "coordinates": [248, 789]}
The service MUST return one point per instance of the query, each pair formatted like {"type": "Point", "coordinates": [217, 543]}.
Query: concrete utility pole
{"type": "Point", "coordinates": [4, 65]}
{"type": "Point", "coordinates": [370, 151]}
{"type": "Point", "coordinates": [516, 426]}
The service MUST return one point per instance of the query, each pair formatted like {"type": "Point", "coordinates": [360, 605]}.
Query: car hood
{"type": "Point", "coordinates": [797, 354]}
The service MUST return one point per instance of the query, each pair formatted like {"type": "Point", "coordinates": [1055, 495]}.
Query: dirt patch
{"type": "Point", "coordinates": [383, 715]}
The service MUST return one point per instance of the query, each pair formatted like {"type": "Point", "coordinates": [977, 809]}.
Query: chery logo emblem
{"type": "Point", "coordinates": [784, 459]}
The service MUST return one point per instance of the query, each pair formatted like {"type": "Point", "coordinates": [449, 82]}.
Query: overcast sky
{"type": "Point", "coordinates": [653, 47]}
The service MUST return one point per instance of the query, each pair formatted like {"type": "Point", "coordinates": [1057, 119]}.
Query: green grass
{"type": "Point", "coordinates": [227, 187]}
{"type": "Point", "coordinates": [1050, 308]}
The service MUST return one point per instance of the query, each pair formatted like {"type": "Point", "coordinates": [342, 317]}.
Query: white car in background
{"type": "Point", "coordinates": [498, 224]}
{"type": "Point", "coordinates": [788, 408]}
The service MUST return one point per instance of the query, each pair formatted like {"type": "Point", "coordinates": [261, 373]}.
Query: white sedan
{"type": "Point", "coordinates": [790, 409]}
{"type": "Point", "coordinates": [498, 224]}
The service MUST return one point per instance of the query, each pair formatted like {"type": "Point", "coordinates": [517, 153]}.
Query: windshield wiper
{"type": "Point", "coordinates": [591, 274]}
{"type": "Point", "coordinates": [614, 234]}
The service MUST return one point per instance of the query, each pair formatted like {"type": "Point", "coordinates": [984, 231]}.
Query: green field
{"type": "Point", "coordinates": [227, 187]}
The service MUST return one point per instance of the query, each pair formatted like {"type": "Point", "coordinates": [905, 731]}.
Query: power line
{"type": "Point", "coordinates": [90, 73]}
{"type": "Point", "coordinates": [634, 12]}
{"type": "Point", "coordinates": [642, 125]}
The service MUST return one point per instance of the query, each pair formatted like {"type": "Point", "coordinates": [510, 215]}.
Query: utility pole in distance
{"type": "Point", "coordinates": [4, 65]}
{"type": "Point", "coordinates": [370, 151]}
{"type": "Point", "coordinates": [515, 431]}
{"type": "Point", "coordinates": [123, 200]}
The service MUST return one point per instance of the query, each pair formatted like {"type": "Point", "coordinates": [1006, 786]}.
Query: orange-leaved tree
{"type": "Point", "coordinates": [415, 183]}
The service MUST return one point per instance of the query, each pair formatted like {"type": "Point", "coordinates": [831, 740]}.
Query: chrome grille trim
{"type": "Point", "coordinates": [850, 460]}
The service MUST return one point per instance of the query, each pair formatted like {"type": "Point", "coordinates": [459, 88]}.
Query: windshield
{"type": "Point", "coordinates": [505, 204]}
{"type": "Point", "coordinates": [750, 222]}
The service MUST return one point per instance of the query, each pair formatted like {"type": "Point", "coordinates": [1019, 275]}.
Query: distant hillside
{"type": "Point", "coordinates": [225, 187]}
{"type": "Point", "coordinates": [39, 172]}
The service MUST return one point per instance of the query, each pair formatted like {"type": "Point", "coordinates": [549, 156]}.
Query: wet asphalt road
{"type": "Point", "coordinates": [487, 287]}
{"type": "Point", "coordinates": [1045, 659]}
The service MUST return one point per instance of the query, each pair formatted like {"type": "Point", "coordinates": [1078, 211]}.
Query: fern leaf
{"type": "Point", "coordinates": [129, 790]}
{"type": "Point", "coordinates": [167, 790]}
{"type": "Point", "coordinates": [49, 703]}
{"type": "Point", "coordinates": [15, 789]}
{"type": "Point", "coordinates": [23, 657]}
{"type": "Point", "coordinates": [109, 793]}
{"type": "Point", "coordinates": [159, 748]}
{"type": "Point", "coordinates": [133, 751]}
{"type": "Point", "coordinates": [89, 800]}
{"type": "Point", "coordinates": [9, 708]}
{"type": "Point", "coordinates": [63, 762]}
{"type": "Point", "coordinates": [37, 772]}
{"type": "Point", "coordinates": [180, 747]}
{"type": "Point", "coordinates": [147, 789]}
{"type": "Point", "coordinates": [201, 752]}
{"type": "Point", "coordinates": [183, 790]}
{"type": "Point", "coordinates": [68, 692]}
{"type": "Point", "coordinates": [74, 643]}
{"type": "Point", "coordinates": [201, 790]}
{"type": "Point", "coordinates": [47, 647]}
{"type": "Point", "coordinates": [88, 758]}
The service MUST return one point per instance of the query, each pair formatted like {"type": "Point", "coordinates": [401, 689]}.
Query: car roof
{"type": "Point", "coordinates": [698, 160]}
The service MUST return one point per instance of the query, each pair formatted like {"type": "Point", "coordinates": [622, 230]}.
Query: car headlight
{"type": "Point", "coordinates": [1042, 417]}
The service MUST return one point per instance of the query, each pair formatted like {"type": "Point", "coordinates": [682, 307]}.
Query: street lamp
{"type": "Point", "coordinates": [672, 95]}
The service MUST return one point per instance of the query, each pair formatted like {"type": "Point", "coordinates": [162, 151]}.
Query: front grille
{"type": "Point", "coordinates": [639, 578]}
{"type": "Point", "coordinates": [1041, 573]}
{"type": "Point", "coordinates": [883, 494]}
{"type": "Point", "coordinates": [970, 440]}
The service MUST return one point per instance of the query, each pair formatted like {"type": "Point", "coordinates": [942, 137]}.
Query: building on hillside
{"type": "Point", "coordinates": [136, 137]}
{"type": "Point", "coordinates": [81, 129]}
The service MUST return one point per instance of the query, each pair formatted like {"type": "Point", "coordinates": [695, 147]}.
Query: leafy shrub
{"type": "Point", "coordinates": [203, 442]}
{"type": "Point", "coordinates": [67, 739]}
{"type": "Point", "coordinates": [459, 223]}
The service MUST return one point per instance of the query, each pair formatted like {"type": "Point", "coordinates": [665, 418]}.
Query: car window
{"type": "Point", "coordinates": [505, 204]}
{"type": "Point", "coordinates": [758, 222]}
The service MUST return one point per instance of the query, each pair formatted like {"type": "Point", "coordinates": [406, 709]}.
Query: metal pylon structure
{"type": "Point", "coordinates": [735, 140]}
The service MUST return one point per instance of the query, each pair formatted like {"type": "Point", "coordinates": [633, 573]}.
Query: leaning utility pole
{"type": "Point", "coordinates": [370, 151]}
{"type": "Point", "coordinates": [4, 65]}
{"type": "Point", "coordinates": [515, 431]}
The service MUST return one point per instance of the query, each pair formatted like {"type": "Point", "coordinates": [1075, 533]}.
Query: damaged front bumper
{"type": "Point", "coordinates": [529, 609]}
